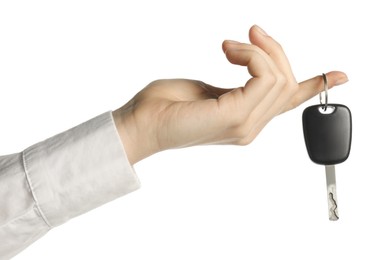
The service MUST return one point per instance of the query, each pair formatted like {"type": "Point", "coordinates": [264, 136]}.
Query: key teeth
{"type": "Point", "coordinates": [333, 210]}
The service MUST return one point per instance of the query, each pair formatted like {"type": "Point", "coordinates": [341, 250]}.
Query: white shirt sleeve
{"type": "Point", "coordinates": [59, 179]}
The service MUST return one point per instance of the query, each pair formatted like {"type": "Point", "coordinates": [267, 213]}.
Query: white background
{"type": "Point", "coordinates": [64, 62]}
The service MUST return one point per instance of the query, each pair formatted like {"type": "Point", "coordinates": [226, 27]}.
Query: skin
{"type": "Point", "coordinates": [175, 113]}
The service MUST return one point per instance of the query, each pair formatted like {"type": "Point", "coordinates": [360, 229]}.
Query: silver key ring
{"type": "Point", "coordinates": [325, 105]}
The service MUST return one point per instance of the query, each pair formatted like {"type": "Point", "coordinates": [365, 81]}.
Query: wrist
{"type": "Point", "coordinates": [127, 135]}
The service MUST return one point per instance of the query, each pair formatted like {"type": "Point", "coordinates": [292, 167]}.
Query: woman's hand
{"type": "Point", "coordinates": [180, 113]}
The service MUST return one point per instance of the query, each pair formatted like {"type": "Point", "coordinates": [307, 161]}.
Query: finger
{"type": "Point", "coordinates": [262, 88]}
{"type": "Point", "coordinates": [228, 43]}
{"type": "Point", "coordinates": [263, 78]}
{"type": "Point", "coordinates": [307, 90]}
{"type": "Point", "coordinates": [312, 87]}
{"type": "Point", "coordinates": [247, 55]}
{"type": "Point", "coordinates": [258, 37]}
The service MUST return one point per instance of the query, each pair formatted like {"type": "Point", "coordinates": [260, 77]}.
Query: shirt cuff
{"type": "Point", "coordinates": [78, 170]}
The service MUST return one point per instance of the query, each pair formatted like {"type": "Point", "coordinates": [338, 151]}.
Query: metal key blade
{"type": "Point", "coordinates": [331, 192]}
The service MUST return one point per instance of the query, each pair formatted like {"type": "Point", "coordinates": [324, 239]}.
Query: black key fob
{"type": "Point", "coordinates": [328, 133]}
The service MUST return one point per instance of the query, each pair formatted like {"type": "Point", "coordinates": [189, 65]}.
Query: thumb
{"type": "Point", "coordinates": [312, 87]}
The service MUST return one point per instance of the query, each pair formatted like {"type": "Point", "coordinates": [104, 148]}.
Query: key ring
{"type": "Point", "coordinates": [325, 105]}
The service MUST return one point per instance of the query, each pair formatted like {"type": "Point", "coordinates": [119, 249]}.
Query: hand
{"type": "Point", "coordinates": [180, 113]}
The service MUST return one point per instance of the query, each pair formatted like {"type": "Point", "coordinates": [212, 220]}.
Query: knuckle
{"type": "Point", "coordinates": [281, 80]}
{"type": "Point", "coordinates": [287, 86]}
{"type": "Point", "coordinates": [237, 124]}
{"type": "Point", "coordinates": [268, 79]}
{"type": "Point", "coordinates": [240, 131]}
{"type": "Point", "coordinates": [243, 141]}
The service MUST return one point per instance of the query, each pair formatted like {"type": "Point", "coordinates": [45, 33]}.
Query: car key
{"type": "Point", "coordinates": [328, 134]}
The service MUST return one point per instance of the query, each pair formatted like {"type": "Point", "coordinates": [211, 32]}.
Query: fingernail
{"type": "Point", "coordinates": [260, 30]}
{"type": "Point", "coordinates": [341, 80]}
